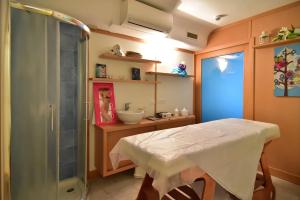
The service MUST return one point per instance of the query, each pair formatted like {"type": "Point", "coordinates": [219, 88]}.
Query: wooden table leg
{"type": "Point", "coordinates": [147, 192]}
{"type": "Point", "coordinates": [209, 188]}
{"type": "Point", "coordinates": [208, 192]}
{"type": "Point", "coordinates": [268, 190]}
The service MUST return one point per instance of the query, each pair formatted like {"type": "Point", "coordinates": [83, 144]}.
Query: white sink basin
{"type": "Point", "coordinates": [130, 117]}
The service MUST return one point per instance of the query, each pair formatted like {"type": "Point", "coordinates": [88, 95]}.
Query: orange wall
{"type": "Point", "coordinates": [284, 153]}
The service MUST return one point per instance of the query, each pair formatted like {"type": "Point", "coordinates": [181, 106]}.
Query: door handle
{"type": "Point", "coordinates": [51, 117]}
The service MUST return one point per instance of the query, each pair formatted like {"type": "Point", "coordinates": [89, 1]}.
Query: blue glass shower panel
{"type": "Point", "coordinates": [69, 74]}
{"type": "Point", "coordinates": [222, 87]}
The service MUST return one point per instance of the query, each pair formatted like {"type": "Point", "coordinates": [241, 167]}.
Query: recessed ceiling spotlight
{"type": "Point", "coordinates": [218, 17]}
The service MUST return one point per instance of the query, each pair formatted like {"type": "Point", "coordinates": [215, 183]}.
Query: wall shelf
{"type": "Point", "coordinates": [168, 74]}
{"type": "Point", "coordinates": [128, 59]}
{"type": "Point", "coordinates": [122, 81]}
{"type": "Point", "coordinates": [278, 43]}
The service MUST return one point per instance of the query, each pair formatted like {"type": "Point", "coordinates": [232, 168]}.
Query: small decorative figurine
{"type": "Point", "coordinates": [184, 112]}
{"type": "Point", "coordinates": [264, 37]}
{"type": "Point", "coordinates": [116, 50]}
{"type": "Point", "coordinates": [180, 70]}
{"type": "Point", "coordinates": [176, 112]}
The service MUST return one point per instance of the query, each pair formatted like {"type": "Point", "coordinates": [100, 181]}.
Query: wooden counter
{"type": "Point", "coordinates": [107, 136]}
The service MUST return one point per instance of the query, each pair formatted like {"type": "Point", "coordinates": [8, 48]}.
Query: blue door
{"type": "Point", "coordinates": [222, 87]}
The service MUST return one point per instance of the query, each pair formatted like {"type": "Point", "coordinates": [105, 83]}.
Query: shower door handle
{"type": "Point", "coordinates": [51, 117]}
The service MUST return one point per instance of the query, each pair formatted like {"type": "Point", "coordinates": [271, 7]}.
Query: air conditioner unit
{"type": "Point", "coordinates": [191, 32]}
{"type": "Point", "coordinates": [141, 17]}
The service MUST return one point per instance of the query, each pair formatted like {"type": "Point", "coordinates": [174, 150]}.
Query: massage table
{"type": "Point", "coordinates": [225, 151]}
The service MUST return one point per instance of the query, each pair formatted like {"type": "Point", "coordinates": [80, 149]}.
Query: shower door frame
{"type": "Point", "coordinates": [4, 101]}
{"type": "Point", "coordinates": [248, 88]}
{"type": "Point", "coordinates": [85, 34]}
{"type": "Point", "coordinates": [84, 45]}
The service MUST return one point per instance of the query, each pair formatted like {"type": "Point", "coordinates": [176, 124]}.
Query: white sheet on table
{"type": "Point", "coordinates": [228, 150]}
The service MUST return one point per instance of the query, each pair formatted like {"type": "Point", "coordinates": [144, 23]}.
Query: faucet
{"type": "Point", "coordinates": [127, 106]}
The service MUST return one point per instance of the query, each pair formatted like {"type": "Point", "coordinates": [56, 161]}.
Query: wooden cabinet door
{"type": "Point", "coordinates": [114, 137]}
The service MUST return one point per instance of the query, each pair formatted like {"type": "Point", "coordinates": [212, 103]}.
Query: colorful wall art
{"type": "Point", "coordinates": [104, 104]}
{"type": "Point", "coordinates": [287, 70]}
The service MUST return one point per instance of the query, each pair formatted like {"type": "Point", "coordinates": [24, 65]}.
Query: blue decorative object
{"type": "Point", "coordinates": [180, 70]}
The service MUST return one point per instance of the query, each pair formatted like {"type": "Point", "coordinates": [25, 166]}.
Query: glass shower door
{"type": "Point", "coordinates": [72, 140]}
{"type": "Point", "coordinates": [82, 108]}
{"type": "Point", "coordinates": [34, 106]}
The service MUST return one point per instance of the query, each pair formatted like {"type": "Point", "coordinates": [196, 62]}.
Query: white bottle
{"type": "Point", "coordinates": [184, 112]}
{"type": "Point", "coordinates": [176, 112]}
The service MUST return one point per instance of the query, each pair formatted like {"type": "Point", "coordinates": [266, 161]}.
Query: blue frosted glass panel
{"type": "Point", "coordinates": [69, 72]}
{"type": "Point", "coordinates": [222, 87]}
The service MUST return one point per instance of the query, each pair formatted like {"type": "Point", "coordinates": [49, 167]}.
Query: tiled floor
{"type": "Point", "coordinates": [124, 186]}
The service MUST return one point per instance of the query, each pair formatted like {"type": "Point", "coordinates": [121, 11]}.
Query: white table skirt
{"type": "Point", "coordinates": [228, 150]}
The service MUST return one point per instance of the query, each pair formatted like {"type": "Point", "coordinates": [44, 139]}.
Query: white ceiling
{"type": "Point", "coordinates": [198, 16]}
{"type": "Point", "coordinates": [165, 5]}
{"type": "Point", "coordinates": [235, 9]}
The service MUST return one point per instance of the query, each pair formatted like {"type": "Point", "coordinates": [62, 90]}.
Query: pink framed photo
{"type": "Point", "coordinates": [104, 104]}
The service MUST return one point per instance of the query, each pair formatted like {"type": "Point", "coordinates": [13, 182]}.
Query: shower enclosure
{"type": "Point", "coordinates": [48, 103]}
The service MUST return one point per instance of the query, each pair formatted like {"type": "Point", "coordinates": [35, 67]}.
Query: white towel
{"type": "Point", "coordinates": [228, 150]}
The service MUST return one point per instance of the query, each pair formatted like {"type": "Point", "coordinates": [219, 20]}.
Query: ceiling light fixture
{"type": "Point", "coordinates": [222, 63]}
{"type": "Point", "coordinates": [218, 17]}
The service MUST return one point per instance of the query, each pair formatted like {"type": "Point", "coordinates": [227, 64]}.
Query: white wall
{"type": "Point", "coordinates": [172, 91]}
{"type": "Point", "coordinates": [101, 13]}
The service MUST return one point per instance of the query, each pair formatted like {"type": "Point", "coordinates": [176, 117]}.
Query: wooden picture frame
{"type": "Point", "coordinates": [104, 104]}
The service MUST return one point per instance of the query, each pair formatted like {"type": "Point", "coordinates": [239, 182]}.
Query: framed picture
{"type": "Point", "coordinates": [135, 73]}
{"type": "Point", "coordinates": [287, 70]}
{"type": "Point", "coordinates": [100, 70]}
{"type": "Point", "coordinates": [104, 103]}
